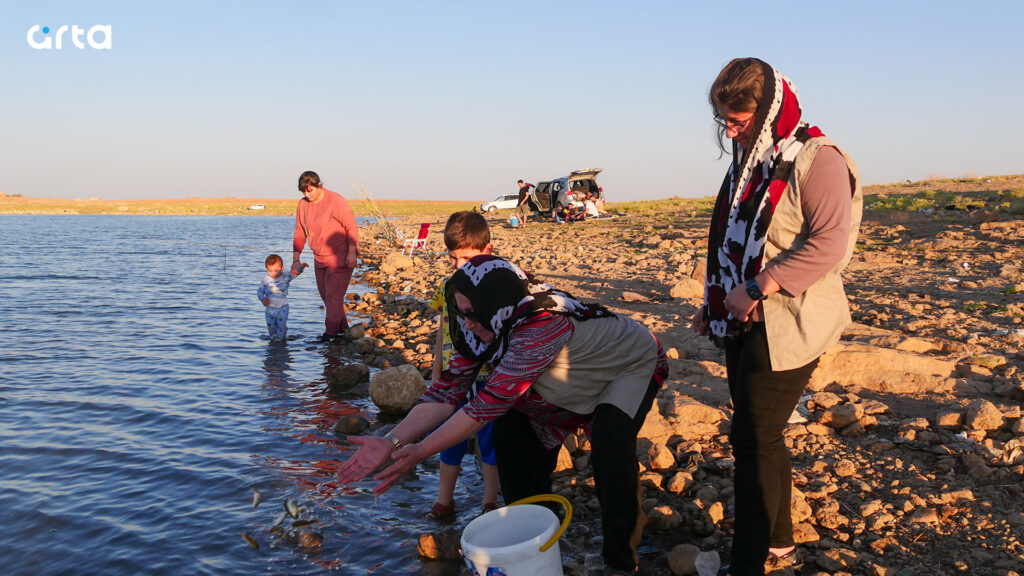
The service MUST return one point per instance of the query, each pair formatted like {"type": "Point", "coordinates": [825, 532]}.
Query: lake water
{"type": "Point", "coordinates": [141, 402]}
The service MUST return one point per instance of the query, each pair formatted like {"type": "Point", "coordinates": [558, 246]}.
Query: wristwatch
{"type": "Point", "coordinates": [754, 291]}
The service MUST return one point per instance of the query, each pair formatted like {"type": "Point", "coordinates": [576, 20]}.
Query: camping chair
{"type": "Point", "coordinates": [419, 241]}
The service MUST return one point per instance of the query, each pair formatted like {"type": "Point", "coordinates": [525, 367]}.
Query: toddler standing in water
{"type": "Point", "coordinates": [273, 292]}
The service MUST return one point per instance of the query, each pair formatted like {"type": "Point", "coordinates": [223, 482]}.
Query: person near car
{"type": "Point", "coordinates": [590, 207]}
{"type": "Point", "coordinates": [598, 204]}
{"type": "Point", "coordinates": [524, 199]}
{"type": "Point", "coordinates": [324, 220]}
{"type": "Point", "coordinates": [552, 376]}
{"type": "Point", "coordinates": [783, 228]}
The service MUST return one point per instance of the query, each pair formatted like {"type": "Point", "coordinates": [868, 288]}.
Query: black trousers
{"type": "Point", "coordinates": [525, 467]}
{"type": "Point", "coordinates": [762, 401]}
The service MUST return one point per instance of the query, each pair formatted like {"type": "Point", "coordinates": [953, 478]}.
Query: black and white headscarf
{"type": "Point", "coordinates": [746, 201]}
{"type": "Point", "coordinates": [503, 297]}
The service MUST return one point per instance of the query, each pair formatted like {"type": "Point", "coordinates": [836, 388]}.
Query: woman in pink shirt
{"type": "Point", "coordinates": [324, 220]}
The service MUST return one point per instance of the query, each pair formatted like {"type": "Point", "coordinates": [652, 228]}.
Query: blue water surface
{"type": "Point", "coordinates": [141, 402]}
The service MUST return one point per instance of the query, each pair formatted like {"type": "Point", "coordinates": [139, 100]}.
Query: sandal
{"type": "Point", "coordinates": [441, 511]}
{"type": "Point", "coordinates": [489, 506]}
{"type": "Point", "coordinates": [792, 559]}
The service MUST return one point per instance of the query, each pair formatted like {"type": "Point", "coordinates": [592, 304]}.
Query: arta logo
{"type": "Point", "coordinates": [47, 43]}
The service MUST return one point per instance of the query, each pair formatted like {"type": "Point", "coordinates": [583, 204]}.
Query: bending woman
{"type": "Point", "coordinates": [783, 228]}
{"type": "Point", "coordinates": [559, 366]}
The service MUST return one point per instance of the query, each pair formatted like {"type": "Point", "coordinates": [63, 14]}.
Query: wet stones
{"type": "Point", "coordinates": [351, 424]}
{"type": "Point", "coordinates": [347, 377]}
{"type": "Point", "coordinates": [443, 544]}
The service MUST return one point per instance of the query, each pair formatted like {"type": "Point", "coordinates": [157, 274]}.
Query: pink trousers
{"type": "Point", "coordinates": [332, 285]}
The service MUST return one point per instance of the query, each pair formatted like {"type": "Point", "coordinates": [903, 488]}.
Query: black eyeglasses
{"type": "Point", "coordinates": [468, 315]}
{"type": "Point", "coordinates": [733, 125]}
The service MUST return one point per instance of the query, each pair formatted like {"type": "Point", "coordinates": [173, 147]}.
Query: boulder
{"type": "Point", "coordinates": [348, 376]}
{"type": "Point", "coordinates": [679, 482]}
{"type": "Point", "coordinates": [679, 415]}
{"type": "Point", "coordinates": [882, 370]}
{"type": "Point", "coordinates": [441, 545]}
{"type": "Point", "coordinates": [664, 518]}
{"type": "Point", "coordinates": [396, 390]}
{"type": "Point", "coordinates": [351, 424]}
{"type": "Point", "coordinates": [356, 331]}
{"type": "Point", "coordinates": [687, 289]}
{"type": "Point", "coordinates": [983, 415]}
{"type": "Point", "coordinates": [660, 457]}
{"type": "Point", "coordinates": [842, 415]}
{"type": "Point", "coordinates": [682, 559]}
{"type": "Point", "coordinates": [394, 262]}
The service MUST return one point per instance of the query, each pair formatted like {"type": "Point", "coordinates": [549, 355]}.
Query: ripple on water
{"type": "Point", "coordinates": [142, 403]}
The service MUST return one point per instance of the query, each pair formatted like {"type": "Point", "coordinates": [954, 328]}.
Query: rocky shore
{"type": "Point", "coordinates": [908, 448]}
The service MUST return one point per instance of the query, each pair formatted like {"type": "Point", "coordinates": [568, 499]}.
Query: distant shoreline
{"type": "Point", "coordinates": [1010, 187]}
{"type": "Point", "coordinates": [212, 207]}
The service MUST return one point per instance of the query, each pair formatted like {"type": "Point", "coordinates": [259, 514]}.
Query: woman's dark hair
{"type": "Point", "coordinates": [737, 88]}
{"type": "Point", "coordinates": [309, 178]}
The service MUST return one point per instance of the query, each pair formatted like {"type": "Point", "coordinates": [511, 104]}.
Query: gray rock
{"type": "Point", "coordinates": [351, 424]}
{"type": "Point", "coordinates": [347, 376]}
{"type": "Point", "coordinates": [664, 518]}
{"type": "Point", "coordinates": [682, 560]}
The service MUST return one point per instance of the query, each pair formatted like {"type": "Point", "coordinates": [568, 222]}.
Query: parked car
{"type": "Point", "coordinates": [503, 202]}
{"type": "Point", "coordinates": [558, 193]}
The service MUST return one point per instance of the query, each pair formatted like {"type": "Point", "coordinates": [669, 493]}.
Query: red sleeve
{"type": "Point", "coordinates": [343, 214]}
{"type": "Point", "coordinates": [299, 236]}
{"type": "Point", "coordinates": [454, 383]}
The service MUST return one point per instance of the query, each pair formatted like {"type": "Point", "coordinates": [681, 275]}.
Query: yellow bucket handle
{"type": "Point", "coordinates": [550, 498]}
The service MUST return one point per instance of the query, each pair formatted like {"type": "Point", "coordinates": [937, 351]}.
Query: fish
{"type": "Point", "coordinates": [257, 497]}
{"type": "Point", "coordinates": [280, 520]}
{"type": "Point", "coordinates": [292, 507]}
{"type": "Point", "coordinates": [250, 541]}
{"type": "Point", "coordinates": [304, 522]}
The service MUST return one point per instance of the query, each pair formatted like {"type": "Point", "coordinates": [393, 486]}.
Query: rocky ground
{"type": "Point", "coordinates": [909, 453]}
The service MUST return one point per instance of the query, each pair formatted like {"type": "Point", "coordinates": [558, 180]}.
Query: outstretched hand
{"type": "Point", "coordinates": [373, 451]}
{"type": "Point", "coordinates": [405, 460]}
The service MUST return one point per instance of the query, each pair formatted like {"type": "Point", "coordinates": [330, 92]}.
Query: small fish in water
{"type": "Point", "coordinates": [305, 522]}
{"type": "Point", "coordinates": [292, 507]}
{"type": "Point", "coordinates": [250, 541]}
{"type": "Point", "coordinates": [257, 497]}
{"type": "Point", "coordinates": [279, 521]}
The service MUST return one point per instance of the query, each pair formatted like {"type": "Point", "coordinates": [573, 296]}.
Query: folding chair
{"type": "Point", "coordinates": [419, 241]}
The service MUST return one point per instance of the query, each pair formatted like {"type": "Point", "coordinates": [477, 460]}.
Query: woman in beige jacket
{"type": "Point", "coordinates": [783, 228]}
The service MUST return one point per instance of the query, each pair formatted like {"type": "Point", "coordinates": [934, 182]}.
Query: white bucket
{"type": "Point", "coordinates": [517, 540]}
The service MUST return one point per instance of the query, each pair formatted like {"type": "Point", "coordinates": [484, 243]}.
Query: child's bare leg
{"type": "Point", "coordinates": [446, 483]}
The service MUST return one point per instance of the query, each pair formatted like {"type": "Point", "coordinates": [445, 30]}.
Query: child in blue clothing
{"type": "Point", "coordinates": [465, 235]}
{"type": "Point", "coordinates": [273, 293]}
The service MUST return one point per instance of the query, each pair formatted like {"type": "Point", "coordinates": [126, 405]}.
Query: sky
{"type": "Point", "coordinates": [456, 100]}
